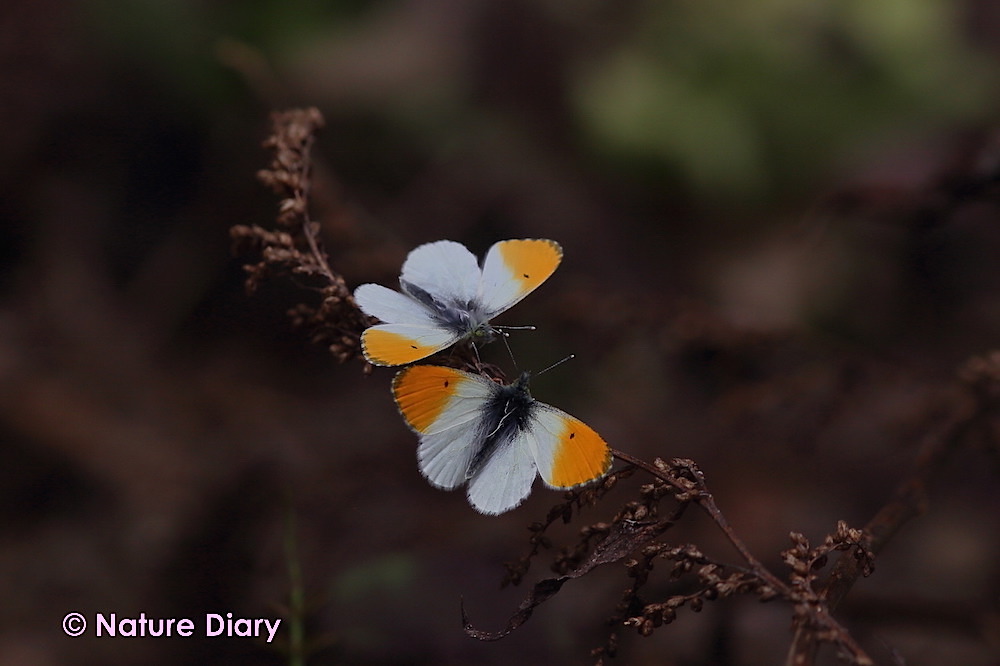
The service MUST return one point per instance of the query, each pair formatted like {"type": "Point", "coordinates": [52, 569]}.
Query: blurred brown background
{"type": "Point", "coordinates": [781, 238]}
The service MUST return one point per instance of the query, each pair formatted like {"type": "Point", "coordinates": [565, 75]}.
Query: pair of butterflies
{"type": "Point", "coordinates": [496, 438]}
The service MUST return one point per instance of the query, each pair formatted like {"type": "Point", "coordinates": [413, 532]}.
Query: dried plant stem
{"type": "Point", "coordinates": [690, 482]}
{"type": "Point", "coordinates": [310, 228]}
{"type": "Point", "coordinates": [909, 500]}
{"type": "Point", "coordinates": [291, 174]}
{"type": "Point", "coordinates": [294, 249]}
{"type": "Point", "coordinates": [706, 501]}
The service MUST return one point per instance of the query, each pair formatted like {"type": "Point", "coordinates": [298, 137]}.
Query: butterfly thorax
{"type": "Point", "coordinates": [506, 413]}
{"type": "Point", "coordinates": [466, 318]}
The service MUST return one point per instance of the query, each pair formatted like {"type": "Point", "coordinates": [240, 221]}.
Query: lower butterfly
{"type": "Point", "coordinates": [494, 437]}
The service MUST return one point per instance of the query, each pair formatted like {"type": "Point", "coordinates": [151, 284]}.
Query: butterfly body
{"type": "Point", "coordinates": [506, 413]}
{"type": "Point", "coordinates": [463, 318]}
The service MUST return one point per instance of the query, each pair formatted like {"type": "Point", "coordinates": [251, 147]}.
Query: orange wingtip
{"type": "Point", "coordinates": [387, 348]}
{"type": "Point", "coordinates": [531, 261]}
{"type": "Point", "coordinates": [582, 456]}
{"type": "Point", "coordinates": [423, 391]}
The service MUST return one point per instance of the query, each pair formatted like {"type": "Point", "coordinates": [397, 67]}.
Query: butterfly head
{"type": "Point", "coordinates": [484, 333]}
{"type": "Point", "coordinates": [521, 383]}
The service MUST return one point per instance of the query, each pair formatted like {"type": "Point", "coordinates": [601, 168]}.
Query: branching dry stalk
{"type": "Point", "coordinates": [295, 248]}
{"type": "Point", "coordinates": [974, 401]}
{"type": "Point", "coordinates": [634, 533]}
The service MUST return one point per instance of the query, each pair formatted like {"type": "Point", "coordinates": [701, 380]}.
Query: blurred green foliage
{"type": "Point", "coordinates": [178, 40]}
{"type": "Point", "coordinates": [747, 97]}
{"type": "Point", "coordinates": [739, 101]}
{"type": "Point", "coordinates": [388, 574]}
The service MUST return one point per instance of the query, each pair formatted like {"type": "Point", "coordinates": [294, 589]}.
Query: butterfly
{"type": "Point", "coordinates": [446, 297]}
{"type": "Point", "coordinates": [494, 437]}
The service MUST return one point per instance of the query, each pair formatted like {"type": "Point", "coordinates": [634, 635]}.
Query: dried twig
{"type": "Point", "coordinates": [636, 529]}
{"type": "Point", "coordinates": [975, 399]}
{"type": "Point", "coordinates": [296, 248]}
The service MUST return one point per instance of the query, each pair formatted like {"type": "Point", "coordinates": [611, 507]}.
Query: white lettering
{"type": "Point", "coordinates": [127, 626]}
{"type": "Point", "coordinates": [185, 627]}
{"type": "Point", "coordinates": [271, 631]}
{"type": "Point", "coordinates": [215, 625]}
{"type": "Point", "coordinates": [209, 619]}
{"type": "Point", "coordinates": [103, 624]}
{"type": "Point", "coordinates": [247, 630]}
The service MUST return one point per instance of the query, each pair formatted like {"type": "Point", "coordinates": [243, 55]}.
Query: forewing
{"type": "Point", "coordinates": [444, 269]}
{"type": "Point", "coordinates": [515, 268]}
{"type": "Point", "coordinates": [444, 407]}
{"type": "Point", "coordinates": [567, 451]}
{"type": "Point", "coordinates": [399, 344]}
{"type": "Point", "coordinates": [391, 306]}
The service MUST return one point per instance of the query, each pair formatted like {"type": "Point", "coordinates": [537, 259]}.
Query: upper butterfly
{"type": "Point", "coordinates": [446, 297]}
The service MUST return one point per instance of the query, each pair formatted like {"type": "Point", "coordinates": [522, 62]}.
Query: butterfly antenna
{"type": "Point", "coordinates": [516, 328]}
{"type": "Point", "coordinates": [559, 362]}
{"type": "Point", "coordinates": [504, 335]}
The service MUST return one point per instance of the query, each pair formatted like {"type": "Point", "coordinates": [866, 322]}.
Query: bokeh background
{"type": "Point", "coordinates": [781, 240]}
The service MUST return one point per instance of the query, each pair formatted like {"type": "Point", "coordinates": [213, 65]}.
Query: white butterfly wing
{"type": "Point", "coordinates": [391, 306]}
{"type": "Point", "coordinates": [444, 407]}
{"type": "Point", "coordinates": [505, 478]}
{"type": "Point", "coordinates": [444, 457]}
{"type": "Point", "coordinates": [444, 269]}
{"type": "Point", "coordinates": [568, 452]}
{"type": "Point", "coordinates": [515, 268]}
